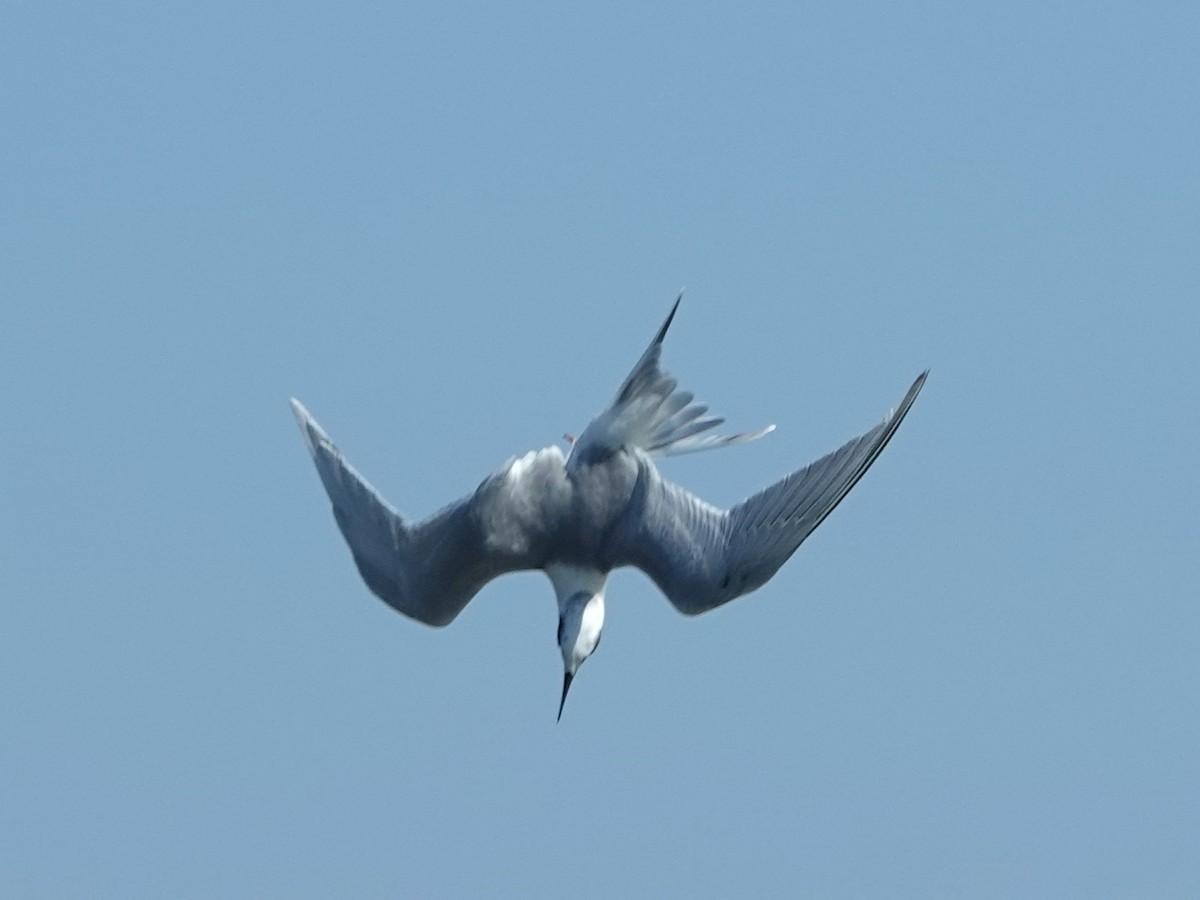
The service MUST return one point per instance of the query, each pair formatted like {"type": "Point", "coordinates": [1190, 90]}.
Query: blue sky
{"type": "Point", "coordinates": [450, 231]}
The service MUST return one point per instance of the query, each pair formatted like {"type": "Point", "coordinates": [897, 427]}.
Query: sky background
{"type": "Point", "coordinates": [450, 230]}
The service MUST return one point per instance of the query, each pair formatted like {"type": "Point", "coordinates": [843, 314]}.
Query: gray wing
{"type": "Point", "coordinates": [430, 570]}
{"type": "Point", "coordinates": [701, 556]}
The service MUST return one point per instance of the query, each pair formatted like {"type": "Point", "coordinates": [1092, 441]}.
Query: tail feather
{"type": "Point", "coordinates": [674, 405]}
{"type": "Point", "coordinates": [691, 429]}
{"type": "Point", "coordinates": [650, 412]}
{"type": "Point", "coordinates": [688, 413]}
{"type": "Point", "coordinates": [712, 442]}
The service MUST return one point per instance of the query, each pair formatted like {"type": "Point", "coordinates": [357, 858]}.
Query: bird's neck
{"type": "Point", "coordinates": [569, 580]}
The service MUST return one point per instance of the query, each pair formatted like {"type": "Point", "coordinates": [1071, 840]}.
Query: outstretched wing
{"type": "Point", "coordinates": [701, 556]}
{"type": "Point", "coordinates": [430, 570]}
{"type": "Point", "coordinates": [651, 414]}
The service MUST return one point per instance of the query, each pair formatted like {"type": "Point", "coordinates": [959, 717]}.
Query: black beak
{"type": "Point", "coordinates": [567, 677]}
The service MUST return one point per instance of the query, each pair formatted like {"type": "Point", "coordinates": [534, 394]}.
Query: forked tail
{"type": "Point", "coordinates": [651, 414]}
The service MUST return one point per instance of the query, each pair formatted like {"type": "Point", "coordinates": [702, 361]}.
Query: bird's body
{"type": "Point", "coordinates": [579, 517]}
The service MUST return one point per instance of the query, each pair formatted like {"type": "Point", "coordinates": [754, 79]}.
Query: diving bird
{"type": "Point", "coordinates": [603, 506]}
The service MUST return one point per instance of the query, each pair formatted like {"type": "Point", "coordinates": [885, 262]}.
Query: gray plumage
{"type": "Point", "coordinates": [605, 507]}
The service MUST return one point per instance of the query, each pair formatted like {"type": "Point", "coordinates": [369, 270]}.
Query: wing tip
{"type": "Point", "coordinates": [917, 384]}
{"type": "Point", "coordinates": [662, 332]}
{"type": "Point", "coordinates": [910, 396]}
{"type": "Point", "coordinates": [312, 433]}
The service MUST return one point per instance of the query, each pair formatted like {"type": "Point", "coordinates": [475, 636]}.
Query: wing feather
{"type": "Point", "coordinates": [701, 556]}
{"type": "Point", "coordinates": [430, 570]}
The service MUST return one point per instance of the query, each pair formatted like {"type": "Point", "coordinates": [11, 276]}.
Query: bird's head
{"type": "Point", "coordinates": [580, 622]}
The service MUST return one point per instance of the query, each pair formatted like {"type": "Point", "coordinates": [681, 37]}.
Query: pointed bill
{"type": "Point", "coordinates": [568, 677]}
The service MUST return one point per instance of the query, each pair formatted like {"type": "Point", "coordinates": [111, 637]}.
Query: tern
{"type": "Point", "coordinates": [603, 506]}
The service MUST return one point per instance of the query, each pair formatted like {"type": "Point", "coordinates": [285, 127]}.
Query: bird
{"type": "Point", "coordinates": [603, 506]}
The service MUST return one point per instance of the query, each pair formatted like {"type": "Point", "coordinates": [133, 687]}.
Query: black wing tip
{"type": "Point", "coordinates": [662, 332]}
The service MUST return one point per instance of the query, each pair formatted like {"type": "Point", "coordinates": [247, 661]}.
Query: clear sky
{"type": "Point", "coordinates": [450, 232]}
